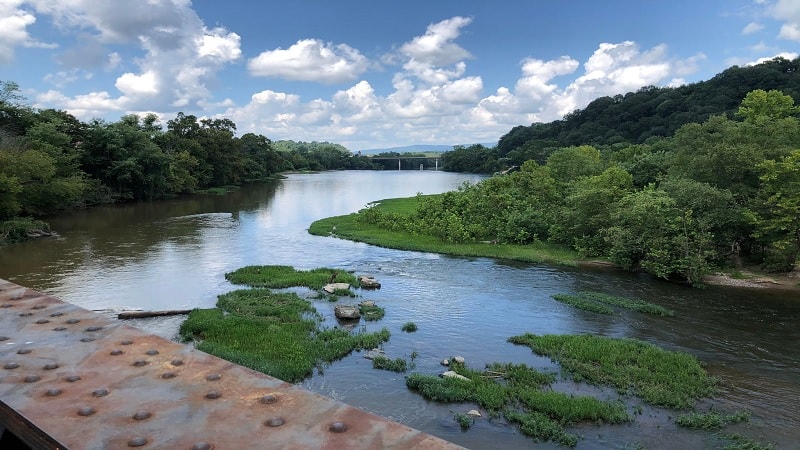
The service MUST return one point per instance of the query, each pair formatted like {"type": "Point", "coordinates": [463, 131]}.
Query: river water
{"type": "Point", "coordinates": [174, 254]}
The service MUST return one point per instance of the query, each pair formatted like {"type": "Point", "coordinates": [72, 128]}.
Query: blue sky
{"type": "Point", "coordinates": [370, 74]}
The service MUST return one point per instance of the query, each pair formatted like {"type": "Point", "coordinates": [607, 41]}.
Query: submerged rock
{"type": "Point", "coordinates": [367, 304]}
{"type": "Point", "coordinates": [372, 354]}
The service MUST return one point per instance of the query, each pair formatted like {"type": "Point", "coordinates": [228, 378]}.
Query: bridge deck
{"type": "Point", "coordinates": [73, 379]}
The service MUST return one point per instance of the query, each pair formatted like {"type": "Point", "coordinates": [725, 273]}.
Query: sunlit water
{"type": "Point", "coordinates": [174, 254]}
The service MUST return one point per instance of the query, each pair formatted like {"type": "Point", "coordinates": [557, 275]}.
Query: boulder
{"type": "Point", "coordinates": [445, 362]}
{"type": "Point", "coordinates": [451, 374]}
{"type": "Point", "coordinates": [367, 304]}
{"type": "Point", "coordinates": [372, 354]}
{"type": "Point", "coordinates": [474, 413]}
{"type": "Point", "coordinates": [368, 282]}
{"type": "Point", "coordinates": [347, 312]}
{"type": "Point", "coordinates": [330, 288]}
{"type": "Point", "coordinates": [458, 360]}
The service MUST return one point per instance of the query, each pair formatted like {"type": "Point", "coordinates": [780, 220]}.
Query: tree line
{"type": "Point", "coordinates": [718, 193]}
{"type": "Point", "coordinates": [51, 162]}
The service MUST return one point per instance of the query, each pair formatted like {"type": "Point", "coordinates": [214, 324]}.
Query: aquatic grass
{"type": "Point", "coordinates": [393, 365]}
{"type": "Point", "coordinates": [463, 420]}
{"type": "Point", "coordinates": [515, 392]}
{"type": "Point", "coordinates": [371, 312]}
{"type": "Point", "coordinates": [409, 327]}
{"type": "Point", "coordinates": [634, 305]}
{"type": "Point", "coordinates": [712, 420]}
{"type": "Point", "coordinates": [582, 303]}
{"type": "Point", "coordinates": [278, 277]}
{"type": "Point", "coordinates": [279, 334]}
{"type": "Point", "coordinates": [659, 377]}
{"type": "Point", "coordinates": [739, 442]}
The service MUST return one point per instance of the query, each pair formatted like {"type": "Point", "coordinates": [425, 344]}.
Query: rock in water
{"type": "Point", "coordinates": [451, 374]}
{"type": "Point", "coordinates": [368, 282]}
{"type": "Point", "coordinates": [348, 312]}
{"type": "Point", "coordinates": [330, 288]}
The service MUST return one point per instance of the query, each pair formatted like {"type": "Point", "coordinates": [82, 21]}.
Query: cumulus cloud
{"type": "Point", "coordinates": [311, 60]}
{"type": "Point", "coordinates": [436, 46]}
{"type": "Point", "coordinates": [14, 22]}
{"type": "Point", "coordinates": [788, 12]}
{"type": "Point", "coordinates": [752, 27]}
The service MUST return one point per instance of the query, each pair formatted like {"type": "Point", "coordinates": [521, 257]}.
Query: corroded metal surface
{"type": "Point", "coordinates": [70, 378]}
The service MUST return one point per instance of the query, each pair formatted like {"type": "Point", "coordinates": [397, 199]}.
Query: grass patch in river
{"type": "Point", "coordinates": [515, 392]}
{"type": "Point", "coordinates": [279, 334]}
{"type": "Point", "coordinates": [393, 365]}
{"type": "Point", "coordinates": [278, 277]}
{"type": "Point", "coordinates": [371, 312]}
{"type": "Point", "coordinates": [582, 303]}
{"type": "Point", "coordinates": [348, 227]}
{"type": "Point", "coordinates": [659, 377]}
{"type": "Point", "coordinates": [596, 302]}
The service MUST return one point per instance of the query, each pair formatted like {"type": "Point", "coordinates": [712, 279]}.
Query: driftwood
{"type": "Point", "coordinates": [144, 314]}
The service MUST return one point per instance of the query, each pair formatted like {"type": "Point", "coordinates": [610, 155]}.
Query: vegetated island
{"type": "Point", "coordinates": [382, 223]}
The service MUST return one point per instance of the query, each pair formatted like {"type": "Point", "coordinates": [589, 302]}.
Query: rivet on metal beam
{"type": "Point", "coordinates": [202, 446]}
{"type": "Point", "coordinates": [126, 342]}
{"type": "Point", "coordinates": [168, 375]}
{"type": "Point", "coordinates": [50, 366]}
{"type": "Point", "coordinates": [137, 442]}
{"type": "Point", "coordinates": [26, 314]}
{"type": "Point", "coordinates": [73, 321]}
{"type": "Point", "coordinates": [72, 378]}
{"type": "Point", "coordinates": [87, 339]}
{"type": "Point", "coordinates": [32, 378]}
{"type": "Point", "coordinates": [6, 305]}
{"type": "Point", "coordinates": [116, 352]}
{"type": "Point", "coordinates": [269, 399]}
{"type": "Point", "coordinates": [39, 307]}
{"type": "Point", "coordinates": [42, 321]}
{"type": "Point", "coordinates": [23, 351]}
{"type": "Point", "coordinates": [337, 427]}
{"type": "Point", "coordinates": [4, 338]}
{"type": "Point", "coordinates": [59, 328]}
{"type": "Point", "coordinates": [53, 392]}
{"type": "Point", "coordinates": [11, 366]}
{"type": "Point", "coordinates": [99, 393]}
{"type": "Point", "coordinates": [274, 422]}
{"type": "Point", "coordinates": [86, 411]}
{"type": "Point", "coordinates": [57, 314]}
{"type": "Point", "coordinates": [142, 415]}
{"type": "Point", "coordinates": [213, 377]}
{"type": "Point", "coordinates": [177, 362]}
{"type": "Point", "coordinates": [94, 328]}
{"type": "Point", "coordinates": [211, 395]}
{"type": "Point", "coordinates": [139, 363]}
{"type": "Point", "coordinates": [151, 352]}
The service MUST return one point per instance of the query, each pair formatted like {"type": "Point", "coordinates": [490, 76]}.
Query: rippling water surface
{"type": "Point", "coordinates": [173, 255]}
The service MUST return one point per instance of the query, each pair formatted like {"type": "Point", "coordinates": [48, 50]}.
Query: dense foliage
{"type": "Point", "coordinates": [50, 161]}
{"type": "Point", "coordinates": [716, 193]}
{"type": "Point", "coordinates": [611, 123]}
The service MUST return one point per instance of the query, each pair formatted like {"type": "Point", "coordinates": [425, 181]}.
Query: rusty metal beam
{"type": "Point", "coordinates": [72, 379]}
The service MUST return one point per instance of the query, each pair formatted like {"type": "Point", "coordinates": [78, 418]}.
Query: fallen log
{"type": "Point", "coordinates": [145, 314]}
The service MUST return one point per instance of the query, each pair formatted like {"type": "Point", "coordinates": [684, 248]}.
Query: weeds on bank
{"type": "Point", "coordinates": [596, 302]}
{"type": "Point", "coordinates": [371, 313]}
{"type": "Point", "coordinates": [659, 377]}
{"type": "Point", "coordinates": [409, 327]}
{"type": "Point", "coordinates": [514, 391]}
{"type": "Point", "coordinates": [739, 442]}
{"type": "Point", "coordinates": [393, 365]}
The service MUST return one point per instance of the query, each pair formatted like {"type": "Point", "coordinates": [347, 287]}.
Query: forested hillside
{"type": "Point", "coordinates": [634, 118]}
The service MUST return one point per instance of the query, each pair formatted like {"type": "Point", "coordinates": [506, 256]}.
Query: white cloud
{"type": "Point", "coordinates": [785, 55]}
{"type": "Point", "coordinates": [536, 75]}
{"type": "Point", "coordinates": [132, 84]}
{"type": "Point", "coordinates": [219, 46]}
{"type": "Point", "coordinates": [752, 27]}
{"type": "Point", "coordinates": [311, 60]}
{"type": "Point", "coordinates": [788, 12]}
{"type": "Point", "coordinates": [14, 22]}
{"type": "Point", "coordinates": [436, 46]}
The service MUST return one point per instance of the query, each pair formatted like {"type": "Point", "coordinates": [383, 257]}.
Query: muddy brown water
{"type": "Point", "coordinates": [173, 255]}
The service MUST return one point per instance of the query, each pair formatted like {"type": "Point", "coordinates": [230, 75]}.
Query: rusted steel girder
{"type": "Point", "coordinates": [72, 379]}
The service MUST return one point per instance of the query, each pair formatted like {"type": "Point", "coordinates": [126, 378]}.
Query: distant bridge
{"type": "Point", "coordinates": [401, 158]}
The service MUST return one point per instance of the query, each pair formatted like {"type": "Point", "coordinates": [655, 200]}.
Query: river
{"type": "Point", "coordinates": [174, 254]}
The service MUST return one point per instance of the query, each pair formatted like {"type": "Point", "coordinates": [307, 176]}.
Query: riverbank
{"type": "Point", "coordinates": [348, 227]}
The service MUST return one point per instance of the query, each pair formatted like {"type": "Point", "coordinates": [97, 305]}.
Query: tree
{"type": "Point", "coordinates": [778, 222]}
{"type": "Point", "coordinates": [760, 105]}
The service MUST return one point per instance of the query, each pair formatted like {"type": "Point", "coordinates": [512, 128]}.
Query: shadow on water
{"type": "Point", "coordinates": [174, 254]}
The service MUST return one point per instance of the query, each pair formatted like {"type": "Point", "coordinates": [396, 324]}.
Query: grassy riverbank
{"type": "Point", "coordinates": [348, 227]}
